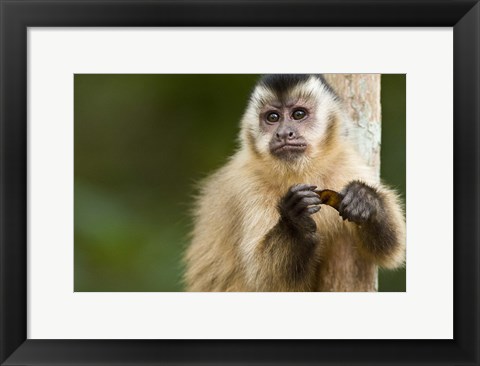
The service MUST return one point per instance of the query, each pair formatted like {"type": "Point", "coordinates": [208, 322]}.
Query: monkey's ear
{"type": "Point", "coordinates": [330, 198]}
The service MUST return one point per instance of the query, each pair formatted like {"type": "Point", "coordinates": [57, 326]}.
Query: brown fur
{"type": "Point", "coordinates": [231, 249]}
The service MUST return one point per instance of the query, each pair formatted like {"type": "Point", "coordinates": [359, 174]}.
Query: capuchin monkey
{"type": "Point", "coordinates": [260, 224]}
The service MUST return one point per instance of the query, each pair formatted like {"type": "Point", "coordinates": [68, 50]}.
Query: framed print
{"type": "Point", "coordinates": [112, 112]}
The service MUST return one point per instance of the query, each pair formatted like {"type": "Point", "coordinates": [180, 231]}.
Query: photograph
{"type": "Point", "coordinates": [240, 182]}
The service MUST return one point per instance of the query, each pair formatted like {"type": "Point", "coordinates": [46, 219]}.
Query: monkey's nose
{"type": "Point", "coordinates": [286, 133]}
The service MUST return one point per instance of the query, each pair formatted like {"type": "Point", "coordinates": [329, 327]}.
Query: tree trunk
{"type": "Point", "coordinates": [361, 96]}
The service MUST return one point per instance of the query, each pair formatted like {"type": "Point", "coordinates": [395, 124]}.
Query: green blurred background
{"type": "Point", "coordinates": [142, 142]}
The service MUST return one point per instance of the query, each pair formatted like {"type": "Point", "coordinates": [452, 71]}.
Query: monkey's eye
{"type": "Point", "coordinates": [298, 114]}
{"type": "Point", "coordinates": [273, 117]}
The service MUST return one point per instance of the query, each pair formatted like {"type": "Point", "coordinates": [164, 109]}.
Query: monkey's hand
{"type": "Point", "coordinates": [297, 205]}
{"type": "Point", "coordinates": [361, 203]}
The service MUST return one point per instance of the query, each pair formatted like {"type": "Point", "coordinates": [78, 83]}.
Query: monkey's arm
{"type": "Point", "coordinates": [381, 229]}
{"type": "Point", "coordinates": [285, 256]}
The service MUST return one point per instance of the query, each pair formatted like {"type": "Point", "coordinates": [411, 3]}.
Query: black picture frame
{"type": "Point", "coordinates": [17, 15]}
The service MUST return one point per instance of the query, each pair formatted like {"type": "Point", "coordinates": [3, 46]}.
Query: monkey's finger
{"type": "Point", "coordinates": [312, 209]}
{"type": "Point", "coordinates": [308, 201]}
{"type": "Point", "coordinates": [298, 196]}
{"type": "Point", "coordinates": [347, 199]}
{"type": "Point", "coordinates": [301, 187]}
{"type": "Point", "coordinates": [354, 213]}
{"type": "Point", "coordinates": [345, 214]}
{"type": "Point", "coordinates": [296, 188]}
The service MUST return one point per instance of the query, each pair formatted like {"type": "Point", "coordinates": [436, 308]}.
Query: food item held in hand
{"type": "Point", "coordinates": [330, 198]}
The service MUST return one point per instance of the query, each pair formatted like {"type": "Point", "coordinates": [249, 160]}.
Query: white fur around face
{"type": "Point", "coordinates": [313, 91]}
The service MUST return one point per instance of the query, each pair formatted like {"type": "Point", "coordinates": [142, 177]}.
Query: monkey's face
{"type": "Point", "coordinates": [289, 117]}
{"type": "Point", "coordinates": [286, 124]}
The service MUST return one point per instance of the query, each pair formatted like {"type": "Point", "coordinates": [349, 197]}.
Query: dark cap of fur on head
{"type": "Point", "coordinates": [282, 83]}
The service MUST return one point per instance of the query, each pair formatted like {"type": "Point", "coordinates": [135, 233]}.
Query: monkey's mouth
{"type": "Point", "coordinates": [284, 148]}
